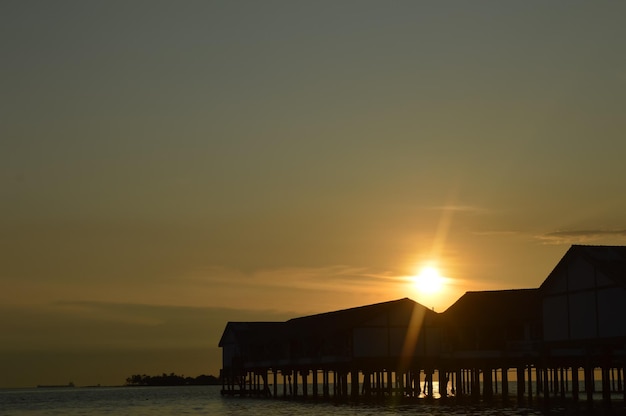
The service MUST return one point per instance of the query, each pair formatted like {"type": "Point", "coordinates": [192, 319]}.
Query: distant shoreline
{"type": "Point", "coordinates": [56, 386]}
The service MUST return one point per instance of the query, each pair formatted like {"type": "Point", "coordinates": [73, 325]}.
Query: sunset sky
{"type": "Point", "coordinates": [166, 166]}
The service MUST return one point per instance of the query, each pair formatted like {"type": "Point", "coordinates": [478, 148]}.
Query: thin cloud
{"type": "Point", "coordinates": [581, 236]}
{"type": "Point", "coordinates": [496, 232]}
{"type": "Point", "coordinates": [459, 208]}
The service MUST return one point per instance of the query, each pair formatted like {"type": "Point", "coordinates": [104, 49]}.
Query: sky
{"type": "Point", "coordinates": [167, 167]}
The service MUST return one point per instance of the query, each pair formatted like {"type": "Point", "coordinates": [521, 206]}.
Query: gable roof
{"type": "Point", "coordinates": [245, 332]}
{"type": "Point", "coordinates": [337, 321]}
{"type": "Point", "coordinates": [610, 260]}
{"type": "Point", "coordinates": [494, 307]}
{"type": "Point", "coordinates": [319, 324]}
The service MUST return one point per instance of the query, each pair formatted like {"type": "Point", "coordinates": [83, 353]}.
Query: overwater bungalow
{"type": "Point", "coordinates": [548, 338]}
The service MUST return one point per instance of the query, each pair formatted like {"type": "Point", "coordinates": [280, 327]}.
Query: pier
{"type": "Point", "coordinates": [565, 340]}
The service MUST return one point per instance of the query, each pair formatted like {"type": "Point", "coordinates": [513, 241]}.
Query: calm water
{"type": "Point", "coordinates": [206, 400]}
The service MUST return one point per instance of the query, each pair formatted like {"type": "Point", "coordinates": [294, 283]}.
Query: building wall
{"type": "Point", "coordinates": [582, 303]}
{"type": "Point", "coordinates": [400, 332]}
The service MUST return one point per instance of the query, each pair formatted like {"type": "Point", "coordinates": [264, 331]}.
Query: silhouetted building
{"type": "Point", "coordinates": [494, 322]}
{"type": "Point", "coordinates": [584, 298]}
{"type": "Point", "coordinates": [575, 321]}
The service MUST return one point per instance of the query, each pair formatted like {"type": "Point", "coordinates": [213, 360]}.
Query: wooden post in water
{"type": "Point", "coordinates": [354, 384]}
{"type": "Point", "coordinates": [487, 384]}
{"type": "Point", "coordinates": [314, 380]}
{"type": "Point", "coordinates": [367, 380]}
{"type": "Point", "coordinates": [476, 383]}
{"type": "Point", "coordinates": [408, 384]}
{"type": "Point", "coordinates": [429, 383]}
{"type": "Point", "coordinates": [575, 387]}
{"type": "Point", "coordinates": [546, 388]}
{"type": "Point", "coordinates": [613, 379]}
{"type": "Point", "coordinates": [495, 380]}
{"type": "Point", "coordinates": [305, 378]}
{"type": "Point", "coordinates": [505, 383]}
{"type": "Point", "coordinates": [417, 380]}
{"type": "Point", "coordinates": [325, 382]}
{"type": "Point", "coordinates": [624, 384]}
{"type": "Point", "coordinates": [275, 382]}
{"type": "Point", "coordinates": [589, 383]}
{"type": "Point", "coordinates": [606, 385]}
{"type": "Point", "coordinates": [530, 383]}
{"type": "Point", "coordinates": [443, 383]}
{"type": "Point", "coordinates": [538, 381]}
{"type": "Point", "coordinates": [521, 383]}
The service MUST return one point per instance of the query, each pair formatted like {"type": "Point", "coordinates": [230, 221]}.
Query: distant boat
{"type": "Point", "coordinates": [55, 386]}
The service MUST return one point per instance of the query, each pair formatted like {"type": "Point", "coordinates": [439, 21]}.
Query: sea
{"type": "Point", "coordinates": [206, 400]}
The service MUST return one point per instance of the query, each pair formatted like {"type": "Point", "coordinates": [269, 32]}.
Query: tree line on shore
{"type": "Point", "coordinates": [171, 380]}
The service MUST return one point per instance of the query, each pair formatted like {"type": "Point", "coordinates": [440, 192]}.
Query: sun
{"type": "Point", "coordinates": [429, 280]}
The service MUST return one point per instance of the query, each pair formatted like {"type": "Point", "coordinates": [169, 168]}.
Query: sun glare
{"type": "Point", "coordinates": [429, 281]}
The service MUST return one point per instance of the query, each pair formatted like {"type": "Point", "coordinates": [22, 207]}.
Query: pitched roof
{"type": "Point", "coordinates": [244, 332]}
{"type": "Point", "coordinates": [336, 321]}
{"type": "Point", "coordinates": [319, 324]}
{"type": "Point", "coordinates": [610, 260]}
{"type": "Point", "coordinates": [494, 307]}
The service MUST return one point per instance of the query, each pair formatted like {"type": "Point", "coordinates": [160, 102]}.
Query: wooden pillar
{"type": "Point", "coordinates": [325, 384]}
{"type": "Point", "coordinates": [275, 382]}
{"type": "Point", "coordinates": [408, 384]}
{"type": "Point", "coordinates": [455, 387]}
{"type": "Point", "coordinates": [545, 381]}
{"type": "Point", "coordinates": [443, 383]}
{"type": "Point", "coordinates": [575, 386]}
{"type": "Point", "coordinates": [495, 380]}
{"type": "Point", "coordinates": [354, 383]}
{"type": "Point", "coordinates": [624, 384]}
{"type": "Point", "coordinates": [284, 383]}
{"type": "Point", "coordinates": [295, 383]}
{"type": "Point", "coordinates": [613, 379]}
{"type": "Point", "coordinates": [606, 385]}
{"type": "Point", "coordinates": [367, 384]}
{"type": "Point", "coordinates": [521, 383]}
{"type": "Point", "coordinates": [487, 384]}
{"type": "Point", "coordinates": [465, 382]}
{"type": "Point", "coordinates": [476, 383]}
{"type": "Point", "coordinates": [589, 383]}
{"type": "Point", "coordinates": [429, 383]}
{"type": "Point", "coordinates": [539, 380]}
{"type": "Point", "coordinates": [305, 378]}
{"type": "Point", "coordinates": [530, 383]}
{"type": "Point", "coordinates": [562, 380]}
{"type": "Point", "coordinates": [417, 382]}
{"type": "Point", "coordinates": [505, 383]}
{"type": "Point", "coordinates": [389, 382]}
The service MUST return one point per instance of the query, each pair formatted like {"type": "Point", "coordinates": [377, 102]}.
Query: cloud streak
{"type": "Point", "coordinates": [581, 236]}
